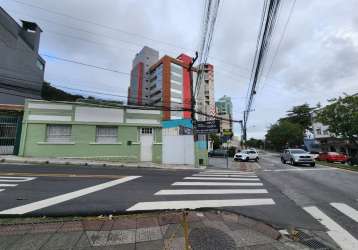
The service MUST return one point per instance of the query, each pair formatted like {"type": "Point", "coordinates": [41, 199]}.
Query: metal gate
{"type": "Point", "coordinates": [10, 127]}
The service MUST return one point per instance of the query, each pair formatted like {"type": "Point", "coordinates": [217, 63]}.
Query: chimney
{"type": "Point", "coordinates": [30, 32]}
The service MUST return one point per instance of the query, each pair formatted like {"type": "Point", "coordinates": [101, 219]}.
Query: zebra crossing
{"type": "Point", "coordinates": [11, 181]}
{"type": "Point", "coordinates": [336, 231]}
{"type": "Point", "coordinates": [221, 188]}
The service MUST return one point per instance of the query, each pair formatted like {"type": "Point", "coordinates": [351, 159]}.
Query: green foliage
{"type": "Point", "coordinates": [51, 93]}
{"type": "Point", "coordinates": [342, 117]}
{"type": "Point", "coordinates": [254, 143]}
{"type": "Point", "coordinates": [231, 151]}
{"type": "Point", "coordinates": [216, 140]}
{"type": "Point", "coordinates": [284, 134]}
{"type": "Point", "coordinates": [300, 115]}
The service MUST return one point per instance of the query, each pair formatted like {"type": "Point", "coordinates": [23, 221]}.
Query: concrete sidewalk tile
{"type": "Point", "coordinates": [213, 216]}
{"type": "Point", "coordinates": [174, 244]}
{"type": "Point", "coordinates": [82, 242]}
{"type": "Point", "coordinates": [267, 230]}
{"type": "Point", "coordinates": [220, 225]}
{"type": "Point", "coordinates": [31, 241]}
{"type": "Point", "coordinates": [248, 237]}
{"type": "Point", "coordinates": [150, 245]}
{"type": "Point", "coordinates": [230, 217]}
{"type": "Point", "coordinates": [15, 229]}
{"type": "Point", "coordinates": [143, 222]}
{"type": "Point", "coordinates": [259, 247]}
{"type": "Point", "coordinates": [97, 238]}
{"type": "Point", "coordinates": [117, 237]}
{"type": "Point", "coordinates": [62, 240]}
{"type": "Point", "coordinates": [92, 225]}
{"type": "Point", "coordinates": [247, 221]}
{"type": "Point", "coordinates": [107, 225]}
{"type": "Point", "coordinates": [7, 240]}
{"type": "Point", "coordinates": [46, 228]}
{"type": "Point", "coordinates": [173, 229]}
{"type": "Point", "coordinates": [169, 218]}
{"type": "Point", "coordinates": [193, 216]}
{"type": "Point", "coordinates": [125, 223]}
{"type": "Point", "coordinates": [148, 234]}
{"type": "Point", "coordinates": [71, 226]}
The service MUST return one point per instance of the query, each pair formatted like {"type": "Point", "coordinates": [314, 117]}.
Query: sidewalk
{"type": "Point", "coordinates": [87, 162]}
{"type": "Point", "coordinates": [206, 230]}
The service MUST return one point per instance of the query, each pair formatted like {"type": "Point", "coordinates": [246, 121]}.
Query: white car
{"type": "Point", "coordinates": [247, 155]}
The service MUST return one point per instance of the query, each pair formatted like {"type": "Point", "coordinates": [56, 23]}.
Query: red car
{"type": "Point", "coordinates": [333, 157]}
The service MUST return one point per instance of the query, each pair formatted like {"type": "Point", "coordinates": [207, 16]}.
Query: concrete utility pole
{"type": "Point", "coordinates": [193, 100]}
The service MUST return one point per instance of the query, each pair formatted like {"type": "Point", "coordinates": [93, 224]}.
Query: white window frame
{"type": "Point", "coordinates": [104, 135]}
{"type": "Point", "coordinates": [59, 133]}
{"type": "Point", "coordinates": [146, 131]}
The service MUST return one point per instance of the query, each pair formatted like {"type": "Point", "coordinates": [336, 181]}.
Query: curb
{"type": "Point", "coordinates": [94, 164]}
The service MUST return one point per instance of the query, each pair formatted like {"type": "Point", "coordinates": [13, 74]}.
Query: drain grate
{"type": "Point", "coordinates": [210, 239]}
{"type": "Point", "coordinates": [309, 241]}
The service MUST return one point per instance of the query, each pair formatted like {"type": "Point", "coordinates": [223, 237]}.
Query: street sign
{"type": "Point", "coordinates": [185, 131]}
{"type": "Point", "coordinates": [227, 132]}
{"type": "Point", "coordinates": [207, 127]}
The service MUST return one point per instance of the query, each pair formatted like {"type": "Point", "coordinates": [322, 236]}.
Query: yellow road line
{"type": "Point", "coordinates": [62, 175]}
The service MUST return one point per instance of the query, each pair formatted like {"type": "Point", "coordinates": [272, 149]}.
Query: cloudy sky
{"type": "Point", "coordinates": [317, 58]}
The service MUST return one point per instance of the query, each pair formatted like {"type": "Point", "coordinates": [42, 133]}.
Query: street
{"type": "Point", "coordinates": [317, 199]}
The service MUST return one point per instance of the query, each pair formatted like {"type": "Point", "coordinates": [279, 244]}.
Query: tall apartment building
{"type": "Point", "coordinates": [138, 91]}
{"type": "Point", "coordinates": [21, 66]}
{"type": "Point", "coordinates": [170, 87]}
{"type": "Point", "coordinates": [205, 101]}
{"type": "Point", "coordinates": [224, 110]}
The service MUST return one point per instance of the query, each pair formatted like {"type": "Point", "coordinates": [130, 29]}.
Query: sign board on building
{"type": "Point", "coordinates": [185, 130]}
{"type": "Point", "coordinates": [227, 132]}
{"type": "Point", "coordinates": [207, 127]}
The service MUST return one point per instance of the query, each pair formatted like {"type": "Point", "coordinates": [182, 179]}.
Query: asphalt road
{"type": "Point", "coordinates": [318, 199]}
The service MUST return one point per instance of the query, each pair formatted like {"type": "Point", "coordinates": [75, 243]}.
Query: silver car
{"type": "Point", "coordinates": [296, 157]}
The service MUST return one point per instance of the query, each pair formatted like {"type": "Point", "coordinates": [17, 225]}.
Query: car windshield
{"type": "Point", "coordinates": [297, 151]}
{"type": "Point", "coordinates": [333, 153]}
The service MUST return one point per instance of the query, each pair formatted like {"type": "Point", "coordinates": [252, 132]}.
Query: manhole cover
{"type": "Point", "coordinates": [210, 239]}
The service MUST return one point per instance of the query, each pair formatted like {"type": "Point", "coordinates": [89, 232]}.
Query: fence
{"type": "Point", "coordinates": [10, 127]}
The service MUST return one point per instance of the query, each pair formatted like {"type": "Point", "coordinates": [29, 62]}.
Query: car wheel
{"type": "Point", "coordinates": [283, 161]}
{"type": "Point", "coordinates": [247, 159]}
{"type": "Point", "coordinates": [257, 159]}
{"type": "Point", "coordinates": [293, 163]}
{"type": "Point", "coordinates": [343, 162]}
{"type": "Point", "coordinates": [235, 159]}
{"type": "Point", "coordinates": [312, 164]}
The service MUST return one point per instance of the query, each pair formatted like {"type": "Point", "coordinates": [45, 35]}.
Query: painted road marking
{"type": "Point", "coordinates": [222, 178]}
{"type": "Point", "coordinates": [5, 175]}
{"type": "Point", "coordinates": [343, 238]}
{"type": "Point", "coordinates": [193, 204]}
{"type": "Point", "coordinates": [297, 169]}
{"type": "Point", "coordinates": [215, 184]}
{"type": "Point", "coordinates": [8, 185]}
{"type": "Point", "coordinates": [347, 210]}
{"type": "Point", "coordinates": [65, 197]}
{"type": "Point", "coordinates": [227, 172]}
{"type": "Point", "coordinates": [225, 175]}
{"type": "Point", "coordinates": [2, 190]}
{"type": "Point", "coordinates": [210, 191]}
{"type": "Point", "coordinates": [15, 179]}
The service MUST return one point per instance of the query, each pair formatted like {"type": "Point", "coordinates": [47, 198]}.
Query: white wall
{"type": "Point", "coordinates": [178, 149]}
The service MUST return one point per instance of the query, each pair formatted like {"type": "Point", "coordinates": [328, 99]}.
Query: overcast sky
{"type": "Point", "coordinates": [317, 58]}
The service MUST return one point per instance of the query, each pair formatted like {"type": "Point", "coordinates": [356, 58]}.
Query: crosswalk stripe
{"type": "Point", "coordinates": [203, 183]}
{"type": "Point", "coordinates": [7, 185]}
{"type": "Point", "coordinates": [225, 175]}
{"type": "Point", "coordinates": [15, 179]}
{"type": "Point", "coordinates": [222, 178]}
{"type": "Point", "coordinates": [210, 191]}
{"type": "Point", "coordinates": [347, 210]}
{"type": "Point", "coordinates": [65, 197]}
{"type": "Point", "coordinates": [2, 190]}
{"type": "Point", "coordinates": [342, 237]}
{"type": "Point", "coordinates": [228, 172]}
{"type": "Point", "coordinates": [193, 204]}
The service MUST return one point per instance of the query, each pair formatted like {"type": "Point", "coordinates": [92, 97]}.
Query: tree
{"type": "Point", "coordinates": [254, 143]}
{"type": "Point", "coordinates": [301, 115]}
{"type": "Point", "coordinates": [341, 116]}
{"type": "Point", "coordinates": [285, 134]}
{"type": "Point", "coordinates": [216, 140]}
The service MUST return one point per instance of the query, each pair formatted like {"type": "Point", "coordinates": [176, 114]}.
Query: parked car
{"type": "Point", "coordinates": [218, 153]}
{"type": "Point", "coordinates": [314, 155]}
{"type": "Point", "coordinates": [296, 157]}
{"type": "Point", "coordinates": [246, 155]}
{"type": "Point", "coordinates": [333, 157]}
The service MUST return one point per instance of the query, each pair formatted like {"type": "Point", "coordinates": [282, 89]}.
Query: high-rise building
{"type": "Point", "coordinates": [205, 100]}
{"type": "Point", "coordinates": [170, 86]}
{"type": "Point", "coordinates": [224, 111]}
{"type": "Point", "coordinates": [138, 90]}
{"type": "Point", "coordinates": [21, 66]}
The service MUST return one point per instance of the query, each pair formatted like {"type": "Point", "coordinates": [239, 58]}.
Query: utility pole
{"type": "Point", "coordinates": [193, 101]}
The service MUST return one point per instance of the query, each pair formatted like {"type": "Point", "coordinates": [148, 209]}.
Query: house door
{"type": "Point", "coordinates": [146, 144]}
